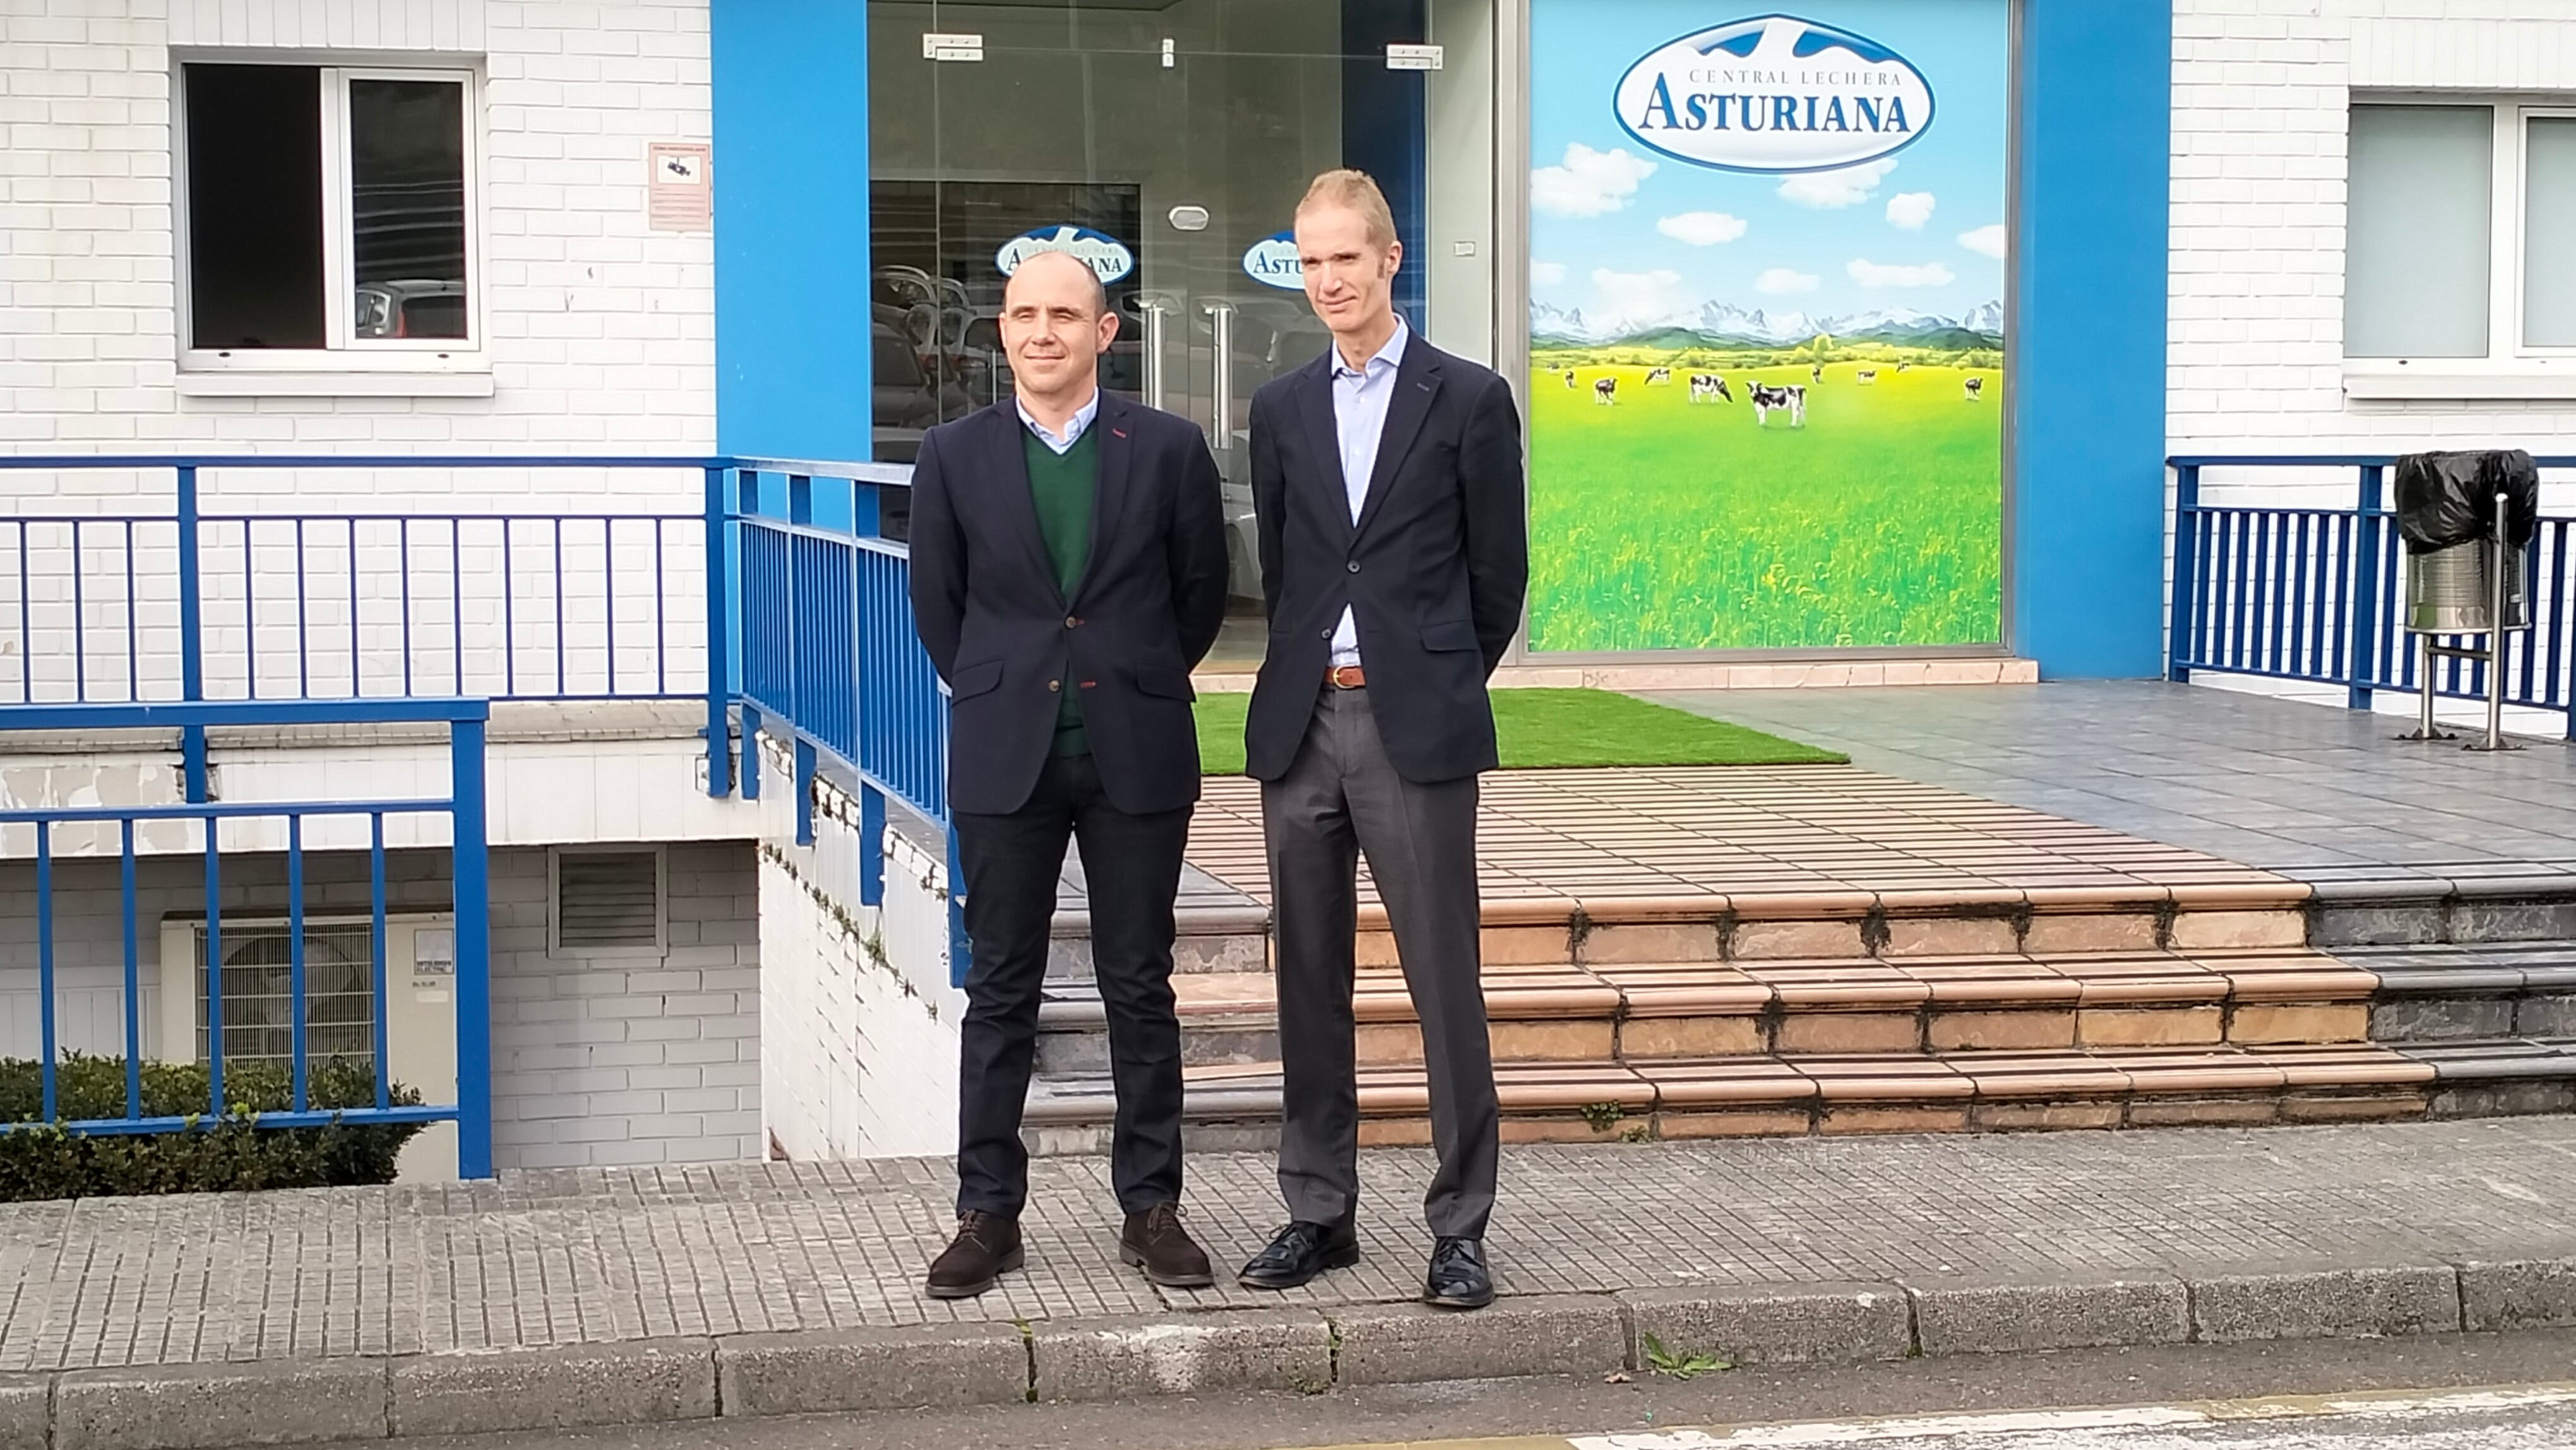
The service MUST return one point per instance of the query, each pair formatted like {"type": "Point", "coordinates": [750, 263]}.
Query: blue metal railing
{"type": "Point", "coordinates": [463, 808]}
{"type": "Point", "coordinates": [829, 656]}
{"type": "Point", "coordinates": [2312, 593]}
{"type": "Point", "coordinates": [194, 605]}
{"type": "Point", "coordinates": [807, 622]}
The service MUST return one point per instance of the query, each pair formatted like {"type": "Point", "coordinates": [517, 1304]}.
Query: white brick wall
{"type": "Point", "coordinates": [600, 1059]}
{"type": "Point", "coordinates": [858, 1022]}
{"type": "Point", "coordinates": [602, 331]}
{"type": "Point", "coordinates": [2261, 90]}
{"type": "Point", "coordinates": [619, 1059]}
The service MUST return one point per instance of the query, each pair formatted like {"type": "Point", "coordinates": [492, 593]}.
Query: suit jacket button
{"type": "Point", "coordinates": [1355, 566]}
{"type": "Point", "coordinates": [1070, 622]}
{"type": "Point", "coordinates": [1053, 685]}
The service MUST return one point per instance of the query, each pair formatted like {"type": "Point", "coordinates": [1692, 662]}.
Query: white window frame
{"type": "Point", "coordinates": [345, 364]}
{"type": "Point", "coordinates": [2511, 369]}
{"type": "Point", "coordinates": [661, 946]}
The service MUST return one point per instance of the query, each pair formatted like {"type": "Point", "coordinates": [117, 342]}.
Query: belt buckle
{"type": "Point", "coordinates": [1347, 677]}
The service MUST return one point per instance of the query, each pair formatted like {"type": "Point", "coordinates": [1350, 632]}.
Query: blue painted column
{"type": "Point", "coordinates": [791, 177]}
{"type": "Point", "coordinates": [2089, 251]}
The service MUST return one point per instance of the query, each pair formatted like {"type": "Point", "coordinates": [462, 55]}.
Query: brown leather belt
{"type": "Point", "coordinates": [1346, 677]}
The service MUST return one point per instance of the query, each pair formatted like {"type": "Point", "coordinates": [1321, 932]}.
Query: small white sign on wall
{"type": "Point", "coordinates": [679, 195]}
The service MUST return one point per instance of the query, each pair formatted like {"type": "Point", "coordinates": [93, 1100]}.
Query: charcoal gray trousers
{"type": "Point", "coordinates": [1341, 800]}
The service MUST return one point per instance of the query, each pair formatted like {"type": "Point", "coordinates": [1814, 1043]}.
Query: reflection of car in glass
{"type": "Point", "coordinates": [411, 307]}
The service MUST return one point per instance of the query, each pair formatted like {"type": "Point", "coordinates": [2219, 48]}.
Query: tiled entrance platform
{"type": "Point", "coordinates": [2020, 908]}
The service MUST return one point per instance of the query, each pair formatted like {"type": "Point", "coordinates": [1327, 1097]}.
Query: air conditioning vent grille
{"type": "Point", "coordinates": [339, 994]}
{"type": "Point", "coordinates": [608, 899]}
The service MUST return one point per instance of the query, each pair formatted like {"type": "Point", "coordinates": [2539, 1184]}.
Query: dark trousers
{"type": "Point", "coordinates": [1339, 800]}
{"type": "Point", "coordinates": [1011, 862]}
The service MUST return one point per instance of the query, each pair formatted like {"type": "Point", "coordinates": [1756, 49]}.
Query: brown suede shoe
{"type": "Point", "coordinates": [987, 1246]}
{"type": "Point", "coordinates": [1155, 1242]}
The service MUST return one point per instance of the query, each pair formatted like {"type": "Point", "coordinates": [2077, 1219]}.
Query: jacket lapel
{"type": "Point", "coordinates": [1109, 495]}
{"type": "Point", "coordinates": [1417, 382]}
{"type": "Point", "coordinates": [1018, 508]}
{"type": "Point", "coordinates": [1315, 405]}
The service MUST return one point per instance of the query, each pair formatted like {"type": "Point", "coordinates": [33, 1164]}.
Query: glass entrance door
{"type": "Point", "coordinates": [1167, 144]}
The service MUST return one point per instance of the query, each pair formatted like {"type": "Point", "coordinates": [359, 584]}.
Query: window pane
{"type": "Point", "coordinates": [254, 206]}
{"type": "Point", "coordinates": [2417, 244]}
{"type": "Point", "coordinates": [2549, 233]}
{"type": "Point", "coordinates": [407, 206]}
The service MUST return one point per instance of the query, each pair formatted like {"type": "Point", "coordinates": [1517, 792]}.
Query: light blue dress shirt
{"type": "Point", "coordinates": [1360, 398]}
{"type": "Point", "coordinates": [1074, 427]}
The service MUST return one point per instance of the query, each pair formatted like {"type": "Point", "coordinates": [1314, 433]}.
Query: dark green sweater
{"type": "Point", "coordinates": [1062, 487]}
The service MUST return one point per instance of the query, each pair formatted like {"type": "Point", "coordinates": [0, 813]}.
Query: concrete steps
{"type": "Point", "coordinates": [1654, 1010]}
{"type": "Point", "coordinates": [1897, 1012]}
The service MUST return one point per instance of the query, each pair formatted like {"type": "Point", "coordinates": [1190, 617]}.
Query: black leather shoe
{"type": "Point", "coordinates": [987, 1246]}
{"type": "Point", "coordinates": [1459, 1278]}
{"type": "Point", "coordinates": [1301, 1251]}
{"type": "Point", "coordinates": [1155, 1242]}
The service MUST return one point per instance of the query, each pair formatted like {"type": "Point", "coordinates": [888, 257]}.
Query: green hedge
{"type": "Point", "coordinates": [39, 1159]}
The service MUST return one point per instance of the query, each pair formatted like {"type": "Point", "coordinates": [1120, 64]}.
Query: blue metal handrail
{"type": "Point", "coordinates": [464, 807]}
{"type": "Point", "coordinates": [426, 637]}
{"type": "Point", "coordinates": [830, 657]}
{"type": "Point", "coordinates": [2311, 593]}
{"type": "Point", "coordinates": [809, 624]}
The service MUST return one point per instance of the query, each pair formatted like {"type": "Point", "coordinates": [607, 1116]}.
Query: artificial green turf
{"type": "Point", "coordinates": [1543, 728]}
{"type": "Point", "coordinates": [1659, 523]}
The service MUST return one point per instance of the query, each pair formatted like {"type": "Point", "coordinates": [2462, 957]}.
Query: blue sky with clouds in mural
{"type": "Point", "coordinates": [1631, 237]}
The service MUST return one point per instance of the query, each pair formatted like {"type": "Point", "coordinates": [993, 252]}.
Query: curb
{"type": "Point", "coordinates": [1311, 1351]}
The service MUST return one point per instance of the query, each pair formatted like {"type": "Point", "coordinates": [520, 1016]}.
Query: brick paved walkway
{"type": "Point", "coordinates": [1683, 831]}
{"type": "Point", "coordinates": [593, 1256]}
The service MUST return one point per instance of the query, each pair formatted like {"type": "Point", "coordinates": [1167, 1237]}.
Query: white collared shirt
{"type": "Point", "coordinates": [1360, 399]}
{"type": "Point", "coordinates": [1074, 427]}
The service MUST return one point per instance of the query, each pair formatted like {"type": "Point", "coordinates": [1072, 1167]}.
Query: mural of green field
{"type": "Point", "coordinates": [1659, 523]}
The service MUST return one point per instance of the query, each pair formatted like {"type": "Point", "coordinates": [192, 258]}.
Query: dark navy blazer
{"type": "Point", "coordinates": [1434, 572]}
{"type": "Point", "coordinates": [1003, 635]}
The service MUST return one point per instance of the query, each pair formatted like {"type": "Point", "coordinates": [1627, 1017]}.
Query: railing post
{"type": "Point", "coordinates": [2366, 544]}
{"type": "Point", "coordinates": [866, 522]}
{"type": "Point", "coordinates": [192, 642]}
{"type": "Point", "coordinates": [719, 642]}
{"type": "Point", "coordinates": [469, 874]}
{"type": "Point", "coordinates": [961, 955]}
{"type": "Point", "coordinates": [2186, 572]}
{"type": "Point", "coordinates": [872, 827]}
{"type": "Point", "coordinates": [750, 751]}
{"type": "Point", "coordinates": [804, 791]}
{"type": "Point", "coordinates": [52, 1110]}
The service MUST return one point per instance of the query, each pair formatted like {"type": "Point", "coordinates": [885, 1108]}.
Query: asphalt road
{"type": "Point", "coordinates": [2446, 1392]}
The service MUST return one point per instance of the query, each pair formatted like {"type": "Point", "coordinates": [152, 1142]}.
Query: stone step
{"type": "Point", "coordinates": [1633, 1011]}
{"type": "Point", "coordinates": [2467, 991]}
{"type": "Point", "coordinates": [1236, 1106]}
{"type": "Point", "coordinates": [1895, 923]}
{"type": "Point", "coordinates": [2485, 903]}
{"type": "Point", "coordinates": [1228, 937]}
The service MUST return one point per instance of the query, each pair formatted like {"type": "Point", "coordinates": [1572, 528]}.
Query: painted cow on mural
{"type": "Point", "coordinates": [1704, 386]}
{"type": "Point", "coordinates": [1658, 377]}
{"type": "Point", "coordinates": [1865, 376]}
{"type": "Point", "coordinates": [1767, 399]}
{"type": "Point", "coordinates": [1603, 390]}
{"type": "Point", "coordinates": [1976, 388]}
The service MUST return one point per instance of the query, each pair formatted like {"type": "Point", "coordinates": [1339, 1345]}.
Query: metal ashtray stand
{"type": "Point", "coordinates": [2492, 655]}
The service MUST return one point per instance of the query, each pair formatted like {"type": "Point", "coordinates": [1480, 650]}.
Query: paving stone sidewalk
{"type": "Point", "coordinates": [594, 1257]}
